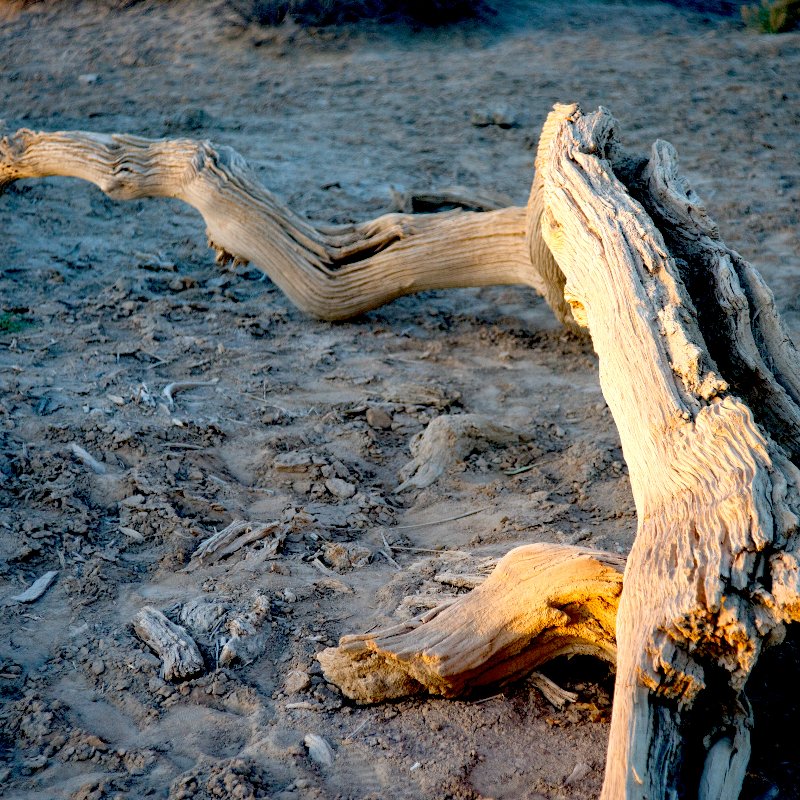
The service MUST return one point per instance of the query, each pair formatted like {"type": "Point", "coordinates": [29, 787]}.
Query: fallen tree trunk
{"type": "Point", "coordinates": [700, 375]}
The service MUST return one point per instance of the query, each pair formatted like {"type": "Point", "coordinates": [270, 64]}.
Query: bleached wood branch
{"type": "Point", "coordinates": [332, 272]}
{"type": "Point", "coordinates": [180, 658]}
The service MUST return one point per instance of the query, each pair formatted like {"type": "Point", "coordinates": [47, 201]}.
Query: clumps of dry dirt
{"type": "Point", "coordinates": [237, 779]}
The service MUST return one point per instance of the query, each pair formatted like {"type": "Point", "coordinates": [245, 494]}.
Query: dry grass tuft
{"type": "Point", "coordinates": [773, 16]}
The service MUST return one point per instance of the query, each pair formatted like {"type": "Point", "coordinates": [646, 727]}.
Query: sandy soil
{"type": "Point", "coordinates": [115, 301]}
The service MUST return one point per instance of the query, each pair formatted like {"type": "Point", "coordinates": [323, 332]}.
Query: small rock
{"type": "Point", "coordinates": [378, 418]}
{"type": "Point", "coordinates": [98, 666]}
{"type": "Point", "coordinates": [578, 774]}
{"type": "Point", "coordinates": [37, 762]}
{"type": "Point", "coordinates": [319, 751]}
{"type": "Point", "coordinates": [182, 283]}
{"type": "Point", "coordinates": [88, 78]}
{"type": "Point", "coordinates": [340, 488]}
{"type": "Point", "coordinates": [501, 115]}
{"type": "Point", "coordinates": [296, 681]}
{"type": "Point", "coordinates": [293, 462]}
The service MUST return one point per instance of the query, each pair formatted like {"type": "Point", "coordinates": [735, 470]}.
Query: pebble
{"type": "Point", "coordinates": [501, 115]}
{"type": "Point", "coordinates": [340, 488]}
{"type": "Point", "coordinates": [98, 666]}
{"type": "Point", "coordinates": [296, 681]}
{"type": "Point", "coordinates": [378, 418]}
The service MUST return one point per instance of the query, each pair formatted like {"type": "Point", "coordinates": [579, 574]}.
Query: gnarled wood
{"type": "Point", "coordinates": [540, 602]}
{"type": "Point", "coordinates": [696, 367]}
{"type": "Point", "coordinates": [332, 272]}
{"type": "Point", "coordinates": [180, 658]}
{"type": "Point", "coordinates": [712, 575]}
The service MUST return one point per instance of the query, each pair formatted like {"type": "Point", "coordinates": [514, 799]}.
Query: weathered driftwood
{"type": "Point", "coordinates": [234, 537]}
{"type": "Point", "coordinates": [713, 573]}
{"type": "Point", "coordinates": [697, 369]}
{"type": "Point", "coordinates": [37, 588]}
{"type": "Point", "coordinates": [541, 601]}
{"type": "Point", "coordinates": [180, 658]}
{"type": "Point", "coordinates": [332, 272]}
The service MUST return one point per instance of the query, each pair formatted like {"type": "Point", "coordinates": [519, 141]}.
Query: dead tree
{"type": "Point", "coordinates": [695, 364]}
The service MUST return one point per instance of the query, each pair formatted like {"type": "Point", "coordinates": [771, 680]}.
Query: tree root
{"type": "Point", "coordinates": [541, 601]}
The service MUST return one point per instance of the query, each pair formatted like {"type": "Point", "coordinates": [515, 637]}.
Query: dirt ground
{"type": "Point", "coordinates": [104, 304]}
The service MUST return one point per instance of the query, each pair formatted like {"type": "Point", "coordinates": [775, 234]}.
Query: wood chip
{"type": "Point", "coordinates": [171, 389]}
{"type": "Point", "coordinates": [37, 588]}
{"type": "Point", "coordinates": [86, 459]}
{"type": "Point", "coordinates": [460, 580]}
{"type": "Point", "coordinates": [319, 751]}
{"type": "Point", "coordinates": [180, 658]}
{"type": "Point", "coordinates": [131, 533]}
{"type": "Point", "coordinates": [578, 774]}
{"type": "Point", "coordinates": [551, 691]}
{"type": "Point", "coordinates": [238, 534]}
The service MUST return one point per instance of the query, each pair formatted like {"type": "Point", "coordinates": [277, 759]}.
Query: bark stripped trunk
{"type": "Point", "coordinates": [695, 365]}
{"type": "Point", "coordinates": [713, 573]}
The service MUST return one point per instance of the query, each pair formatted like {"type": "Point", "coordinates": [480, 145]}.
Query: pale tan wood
{"type": "Point", "coordinates": [234, 537]}
{"type": "Point", "coordinates": [712, 575]}
{"type": "Point", "coordinates": [696, 367]}
{"type": "Point", "coordinates": [541, 601]}
{"type": "Point", "coordinates": [332, 272]}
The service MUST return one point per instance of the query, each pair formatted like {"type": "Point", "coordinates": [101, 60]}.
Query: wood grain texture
{"type": "Point", "coordinates": [331, 272]}
{"type": "Point", "coordinates": [180, 658]}
{"type": "Point", "coordinates": [706, 583]}
{"type": "Point", "coordinates": [540, 602]}
{"type": "Point", "coordinates": [698, 371]}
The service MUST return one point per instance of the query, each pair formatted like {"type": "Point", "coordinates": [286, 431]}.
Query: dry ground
{"type": "Point", "coordinates": [105, 304]}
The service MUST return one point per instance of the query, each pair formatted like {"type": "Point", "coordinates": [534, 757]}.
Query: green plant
{"type": "Point", "coordinates": [772, 16]}
{"type": "Point", "coordinates": [11, 322]}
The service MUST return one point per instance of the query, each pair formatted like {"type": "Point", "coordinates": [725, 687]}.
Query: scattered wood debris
{"type": "Point", "coordinates": [37, 588]}
{"type": "Point", "coordinates": [235, 536]}
{"type": "Point", "coordinates": [551, 691]}
{"type": "Point", "coordinates": [180, 658]}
